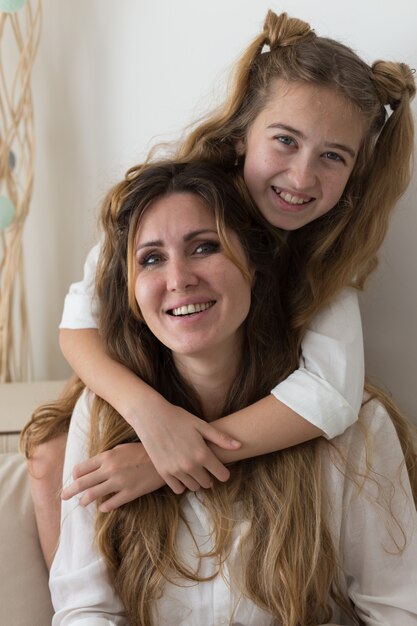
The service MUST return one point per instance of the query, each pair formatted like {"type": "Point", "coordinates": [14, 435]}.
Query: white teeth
{"type": "Point", "coordinates": [289, 198]}
{"type": "Point", "coordinates": [191, 308]}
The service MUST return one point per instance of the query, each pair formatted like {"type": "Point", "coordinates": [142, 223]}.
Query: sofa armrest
{"type": "Point", "coordinates": [24, 592]}
{"type": "Point", "coordinates": [17, 403]}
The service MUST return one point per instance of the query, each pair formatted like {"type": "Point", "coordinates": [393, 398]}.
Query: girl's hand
{"type": "Point", "coordinates": [126, 472]}
{"type": "Point", "coordinates": [176, 444]}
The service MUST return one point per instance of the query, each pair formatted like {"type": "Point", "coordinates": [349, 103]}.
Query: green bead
{"type": "Point", "coordinates": [10, 6]}
{"type": "Point", "coordinates": [7, 212]}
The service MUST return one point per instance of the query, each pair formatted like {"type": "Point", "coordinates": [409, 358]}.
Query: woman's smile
{"type": "Point", "coordinates": [191, 295]}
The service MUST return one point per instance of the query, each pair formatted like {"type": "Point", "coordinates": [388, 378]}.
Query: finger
{"type": "Point", "coordinates": [85, 467]}
{"type": "Point", "coordinates": [198, 476]}
{"type": "Point", "coordinates": [219, 439]}
{"type": "Point", "coordinates": [174, 484]}
{"type": "Point", "coordinates": [217, 469]}
{"type": "Point", "coordinates": [188, 481]}
{"type": "Point", "coordinates": [99, 491]}
{"type": "Point", "coordinates": [114, 502]}
{"type": "Point", "coordinates": [203, 478]}
{"type": "Point", "coordinates": [80, 485]}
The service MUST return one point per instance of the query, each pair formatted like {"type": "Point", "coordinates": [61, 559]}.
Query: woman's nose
{"type": "Point", "coordinates": [181, 275]}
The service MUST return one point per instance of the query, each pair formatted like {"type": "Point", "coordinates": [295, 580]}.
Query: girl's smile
{"type": "Point", "coordinates": [300, 151]}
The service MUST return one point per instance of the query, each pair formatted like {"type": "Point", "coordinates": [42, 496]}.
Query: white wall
{"type": "Point", "coordinates": [111, 78]}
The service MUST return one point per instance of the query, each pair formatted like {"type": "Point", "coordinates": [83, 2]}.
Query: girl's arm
{"type": "Point", "coordinates": [322, 396]}
{"type": "Point", "coordinates": [174, 439]}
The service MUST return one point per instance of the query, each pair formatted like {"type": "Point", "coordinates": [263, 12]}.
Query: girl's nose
{"type": "Point", "coordinates": [302, 173]}
{"type": "Point", "coordinates": [180, 275]}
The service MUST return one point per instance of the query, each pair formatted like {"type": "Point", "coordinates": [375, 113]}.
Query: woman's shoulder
{"type": "Point", "coordinates": [369, 454]}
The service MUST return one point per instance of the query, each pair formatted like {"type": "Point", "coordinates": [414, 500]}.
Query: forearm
{"type": "Point", "coordinates": [107, 378]}
{"type": "Point", "coordinates": [264, 427]}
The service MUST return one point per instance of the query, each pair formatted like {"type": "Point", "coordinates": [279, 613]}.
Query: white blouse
{"type": "Point", "coordinates": [380, 581]}
{"type": "Point", "coordinates": [327, 387]}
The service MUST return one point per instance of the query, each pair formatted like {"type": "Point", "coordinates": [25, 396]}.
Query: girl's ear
{"type": "Point", "coordinates": [240, 147]}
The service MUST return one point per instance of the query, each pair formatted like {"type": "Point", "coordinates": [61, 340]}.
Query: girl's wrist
{"type": "Point", "coordinates": [142, 407]}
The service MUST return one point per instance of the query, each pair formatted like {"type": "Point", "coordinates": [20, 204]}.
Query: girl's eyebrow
{"type": "Point", "coordinates": [191, 235]}
{"type": "Point", "coordinates": [338, 146]}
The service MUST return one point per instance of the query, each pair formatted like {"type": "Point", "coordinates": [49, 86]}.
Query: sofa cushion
{"type": "Point", "coordinates": [24, 592]}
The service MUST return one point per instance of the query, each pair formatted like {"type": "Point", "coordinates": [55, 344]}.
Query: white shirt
{"type": "Point", "coordinates": [327, 387]}
{"type": "Point", "coordinates": [380, 582]}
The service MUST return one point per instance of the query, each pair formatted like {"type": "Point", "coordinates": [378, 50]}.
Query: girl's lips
{"type": "Point", "coordinates": [288, 202]}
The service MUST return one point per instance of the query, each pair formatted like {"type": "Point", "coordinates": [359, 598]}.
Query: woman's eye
{"type": "Point", "coordinates": [207, 247]}
{"type": "Point", "coordinates": [287, 141]}
{"type": "Point", "coordinates": [151, 259]}
{"type": "Point", "coordinates": [333, 156]}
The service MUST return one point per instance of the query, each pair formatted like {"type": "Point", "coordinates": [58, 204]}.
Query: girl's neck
{"type": "Point", "coordinates": [211, 375]}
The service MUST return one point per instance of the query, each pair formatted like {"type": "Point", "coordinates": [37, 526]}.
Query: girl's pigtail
{"type": "Point", "coordinates": [281, 31]}
{"type": "Point", "coordinates": [394, 83]}
{"type": "Point", "coordinates": [390, 164]}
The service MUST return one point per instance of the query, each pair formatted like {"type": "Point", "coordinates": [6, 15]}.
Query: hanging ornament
{"type": "Point", "coordinates": [12, 160]}
{"type": "Point", "coordinates": [7, 212]}
{"type": "Point", "coordinates": [11, 6]}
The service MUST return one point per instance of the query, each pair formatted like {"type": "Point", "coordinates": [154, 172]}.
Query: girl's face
{"type": "Point", "coordinates": [300, 151]}
{"type": "Point", "coordinates": [191, 295]}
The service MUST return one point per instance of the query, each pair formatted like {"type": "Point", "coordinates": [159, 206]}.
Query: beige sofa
{"type": "Point", "coordinates": [24, 593]}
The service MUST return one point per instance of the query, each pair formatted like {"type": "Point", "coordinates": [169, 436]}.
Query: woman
{"type": "Point", "coordinates": [305, 536]}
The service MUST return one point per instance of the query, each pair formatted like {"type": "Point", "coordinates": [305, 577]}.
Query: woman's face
{"type": "Point", "coordinates": [300, 151]}
{"type": "Point", "coordinates": [193, 298]}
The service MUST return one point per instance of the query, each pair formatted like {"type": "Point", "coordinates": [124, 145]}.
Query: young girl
{"type": "Point", "coordinates": [306, 127]}
{"type": "Point", "coordinates": [320, 532]}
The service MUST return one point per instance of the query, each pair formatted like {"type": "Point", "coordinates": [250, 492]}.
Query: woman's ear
{"type": "Point", "coordinates": [240, 147]}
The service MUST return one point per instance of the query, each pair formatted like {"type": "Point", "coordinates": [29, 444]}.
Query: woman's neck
{"type": "Point", "coordinates": [211, 375]}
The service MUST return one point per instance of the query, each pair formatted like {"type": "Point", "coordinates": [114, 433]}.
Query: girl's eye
{"type": "Point", "coordinates": [333, 156]}
{"type": "Point", "coordinates": [287, 141]}
{"type": "Point", "coordinates": [207, 247]}
{"type": "Point", "coordinates": [151, 259]}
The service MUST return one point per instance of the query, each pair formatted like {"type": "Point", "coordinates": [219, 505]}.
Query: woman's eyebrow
{"type": "Point", "coordinates": [150, 244]}
{"type": "Point", "coordinates": [298, 133]}
{"type": "Point", "coordinates": [197, 233]}
{"type": "Point", "coordinates": [191, 235]}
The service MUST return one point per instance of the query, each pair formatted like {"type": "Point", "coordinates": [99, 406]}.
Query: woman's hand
{"type": "Point", "coordinates": [126, 472]}
{"type": "Point", "coordinates": [176, 443]}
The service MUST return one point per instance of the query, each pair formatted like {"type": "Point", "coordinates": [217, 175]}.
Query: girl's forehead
{"type": "Point", "coordinates": [302, 94]}
{"type": "Point", "coordinates": [313, 110]}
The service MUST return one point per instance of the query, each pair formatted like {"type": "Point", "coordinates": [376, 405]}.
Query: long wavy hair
{"type": "Point", "coordinates": [138, 540]}
{"type": "Point", "coordinates": [339, 248]}
{"type": "Point", "coordinates": [291, 567]}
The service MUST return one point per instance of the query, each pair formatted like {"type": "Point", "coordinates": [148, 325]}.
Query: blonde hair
{"type": "Point", "coordinates": [138, 540]}
{"type": "Point", "coordinates": [339, 248]}
{"type": "Point", "coordinates": [291, 567]}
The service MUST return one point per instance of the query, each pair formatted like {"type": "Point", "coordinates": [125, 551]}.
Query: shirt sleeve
{"type": "Point", "coordinates": [81, 589]}
{"type": "Point", "coordinates": [378, 536]}
{"type": "Point", "coordinates": [81, 304]}
{"type": "Point", "coordinates": [327, 387]}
